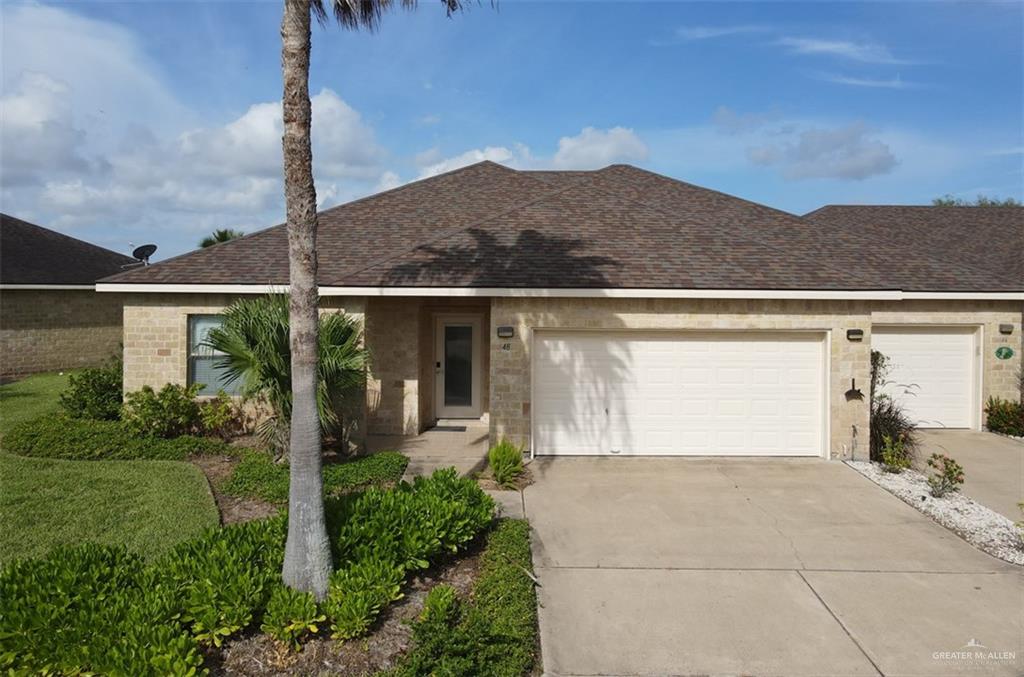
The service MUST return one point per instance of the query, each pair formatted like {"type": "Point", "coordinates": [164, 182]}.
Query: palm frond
{"type": "Point", "coordinates": [253, 348]}
{"type": "Point", "coordinates": [366, 14]}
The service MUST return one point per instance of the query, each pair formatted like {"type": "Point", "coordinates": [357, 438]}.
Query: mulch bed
{"type": "Point", "coordinates": [382, 649]}
{"type": "Point", "coordinates": [233, 509]}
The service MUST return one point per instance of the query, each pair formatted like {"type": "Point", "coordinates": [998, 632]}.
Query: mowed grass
{"type": "Point", "coordinates": [30, 398]}
{"type": "Point", "coordinates": [148, 506]}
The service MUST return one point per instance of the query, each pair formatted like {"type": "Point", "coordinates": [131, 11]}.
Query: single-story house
{"type": "Point", "coordinates": [51, 318]}
{"type": "Point", "coordinates": [619, 311]}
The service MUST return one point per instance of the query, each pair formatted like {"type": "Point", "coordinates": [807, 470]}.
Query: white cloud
{"type": "Point", "coordinates": [845, 152]}
{"type": "Point", "coordinates": [729, 121]}
{"type": "Point", "coordinates": [595, 148]}
{"type": "Point", "coordinates": [885, 83]}
{"type": "Point", "coordinates": [592, 148]}
{"type": "Point", "coordinates": [38, 134]}
{"type": "Point", "coordinates": [866, 52]}
{"type": "Point", "coordinates": [506, 156]}
{"type": "Point", "coordinates": [691, 33]}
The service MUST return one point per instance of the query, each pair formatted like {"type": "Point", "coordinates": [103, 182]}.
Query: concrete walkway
{"type": "Point", "coordinates": [750, 567]}
{"type": "Point", "coordinates": [993, 466]}
{"type": "Point", "coordinates": [440, 447]}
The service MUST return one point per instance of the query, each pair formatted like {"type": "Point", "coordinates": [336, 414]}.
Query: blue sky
{"type": "Point", "coordinates": [150, 121]}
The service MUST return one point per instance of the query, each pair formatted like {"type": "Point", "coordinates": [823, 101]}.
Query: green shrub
{"type": "Point", "coordinates": [168, 412]}
{"type": "Point", "coordinates": [291, 616]}
{"type": "Point", "coordinates": [220, 416]}
{"type": "Point", "coordinates": [94, 393]}
{"type": "Point", "coordinates": [888, 418]}
{"type": "Point", "coordinates": [496, 632]}
{"type": "Point", "coordinates": [91, 609]}
{"type": "Point", "coordinates": [1005, 416]}
{"type": "Point", "coordinates": [84, 439]}
{"type": "Point", "coordinates": [441, 606]}
{"type": "Point", "coordinates": [948, 475]}
{"type": "Point", "coordinates": [359, 592]}
{"type": "Point", "coordinates": [895, 458]}
{"type": "Point", "coordinates": [96, 609]}
{"type": "Point", "coordinates": [257, 476]}
{"type": "Point", "coordinates": [506, 461]}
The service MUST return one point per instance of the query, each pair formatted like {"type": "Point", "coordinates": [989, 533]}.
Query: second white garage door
{"type": "Point", "coordinates": [932, 372]}
{"type": "Point", "coordinates": [735, 394]}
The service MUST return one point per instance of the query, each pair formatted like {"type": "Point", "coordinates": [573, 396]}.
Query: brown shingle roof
{"type": "Point", "coordinates": [31, 254]}
{"type": "Point", "coordinates": [987, 239]}
{"type": "Point", "coordinates": [489, 226]}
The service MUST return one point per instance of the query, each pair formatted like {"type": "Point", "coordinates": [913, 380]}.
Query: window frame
{"type": "Point", "coordinates": [194, 353]}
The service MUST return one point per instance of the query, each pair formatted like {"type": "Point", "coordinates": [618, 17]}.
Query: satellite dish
{"type": "Point", "coordinates": [144, 252]}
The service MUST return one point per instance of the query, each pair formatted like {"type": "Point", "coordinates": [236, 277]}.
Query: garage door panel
{"type": "Point", "coordinates": [932, 372]}
{"type": "Point", "coordinates": [680, 394]}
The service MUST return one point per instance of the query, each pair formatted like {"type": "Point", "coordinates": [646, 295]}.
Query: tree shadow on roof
{"type": "Point", "coordinates": [533, 259]}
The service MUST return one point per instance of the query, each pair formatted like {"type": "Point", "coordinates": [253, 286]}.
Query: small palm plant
{"type": "Point", "coordinates": [218, 236]}
{"type": "Point", "coordinates": [253, 343]}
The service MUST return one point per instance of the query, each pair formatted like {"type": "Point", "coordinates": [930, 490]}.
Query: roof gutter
{"type": "Point", "coordinates": [47, 286]}
{"type": "Point", "coordinates": [805, 294]}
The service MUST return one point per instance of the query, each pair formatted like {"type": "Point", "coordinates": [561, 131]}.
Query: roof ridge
{"type": "Point", "coordinates": [64, 236]}
{"type": "Point", "coordinates": [704, 188]}
{"type": "Point", "coordinates": [264, 231]}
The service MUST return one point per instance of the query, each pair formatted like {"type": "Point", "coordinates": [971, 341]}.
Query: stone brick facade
{"type": "Point", "coordinates": [510, 361]}
{"type": "Point", "coordinates": [156, 332]}
{"type": "Point", "coordinates": [999, 377]}
{"type": "Point", "coordinates": [53, 329]}
{"type": "Point", "coordinates": [400, 333]}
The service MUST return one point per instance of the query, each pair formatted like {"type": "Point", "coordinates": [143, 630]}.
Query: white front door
{"type": "Point", "coordinates": [931, 373]}
{"type": "Point", "coordinates": [457, 368]}
{"type": "Point", "coordinates": [678, 394]}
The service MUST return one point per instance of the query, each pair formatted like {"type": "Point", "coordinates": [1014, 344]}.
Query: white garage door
{"type": "Point", "coordinates": [932, 372]}
{"type": "Point", "coordinates": [736, 394]}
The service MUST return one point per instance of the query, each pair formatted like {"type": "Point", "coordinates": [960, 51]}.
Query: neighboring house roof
{"type": "Point", "coordinates": [488, 226]}
{"type": "Point", "coordinates": [988, 239]}
{"type": "Point", "coordinates": [33, 255]}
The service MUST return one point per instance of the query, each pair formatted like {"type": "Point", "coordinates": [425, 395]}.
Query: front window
{"type": "Point", "coordinates": [202, 358]}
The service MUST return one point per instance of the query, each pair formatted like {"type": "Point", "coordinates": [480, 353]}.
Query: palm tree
{"type": "Point", "coordinates": [218, 236]}
{"type": "Point", "coordinates": [307, 558]}
{"type": "Point", "coordinates": [253, 349]}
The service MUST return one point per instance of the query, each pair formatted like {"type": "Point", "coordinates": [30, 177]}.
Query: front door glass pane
{"type": "Point", "coordinates": [458, 365]}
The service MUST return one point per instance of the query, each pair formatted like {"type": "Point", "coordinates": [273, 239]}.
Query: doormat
{"type": "Point", "coordinates": [449, 428]}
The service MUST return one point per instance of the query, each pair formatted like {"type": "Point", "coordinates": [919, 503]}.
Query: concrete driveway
{"type": "Point", "coordinates": [751, 567]}
{"type": "Point", "coordinates": [993, 466]}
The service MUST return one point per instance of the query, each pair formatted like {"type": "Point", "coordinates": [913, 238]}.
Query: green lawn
{"type": "Point", "coordinates": [29, 398]}
{"type": "Point", "coordinates": [148, 506]}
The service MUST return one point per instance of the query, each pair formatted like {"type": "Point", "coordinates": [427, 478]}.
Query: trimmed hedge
{"type": "Point", "coordinates": [257, 476]}
{"type": "Point", "coordinates": [84, 439]}
{"type": "Point", "coordinates": [1005, 416]}
{"type": "Point", "coordinates": [100, 609]}
{"type": "Point", "coordinates": [495, 632]}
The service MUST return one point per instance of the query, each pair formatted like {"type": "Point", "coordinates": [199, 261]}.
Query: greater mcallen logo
{"type": "Point", "coordinates": [974, 651]}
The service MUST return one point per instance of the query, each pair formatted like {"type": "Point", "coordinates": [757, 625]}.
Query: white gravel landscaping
{"type": "Point", "coordinates": [984, 528]}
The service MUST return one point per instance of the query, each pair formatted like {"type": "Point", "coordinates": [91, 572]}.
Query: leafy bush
{"type": "Point", "coordinates": [94, 393]}
{"type": "Point", "coordinates": [506, 461]}
{"type": "Point", "coordinates": [84, 439]}
{"type": "Point", "coordinates": [291, 616]}
{"type": "Point", "coordinates": [255, 351]}
{"type": "Point", "coordinates": [257, 476]}
{"type": "Point", "coordinates": [96, 609]}
{"type": "Point", "coordinates": [888, 419]}
{"type": "Point", "coordinates": [496, 632]}
{"type": "Point", "coordinates": [91, 609]}
{"type": "Point", "coordinates": [895, 458]}
{"type": "Point", "coordinates": [169, 412]}
{"type": "Point", "coordinates": [1005, 416]}
{"type": "Point", "coordinates": [220, 416]}
{"type": "Point", "coordinates": [441, 606]}
{"type": "Point", "coordinates": [948, 475]}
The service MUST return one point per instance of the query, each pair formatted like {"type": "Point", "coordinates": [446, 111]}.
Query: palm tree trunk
{"type": "Point", "coordinates": [307, 558]}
